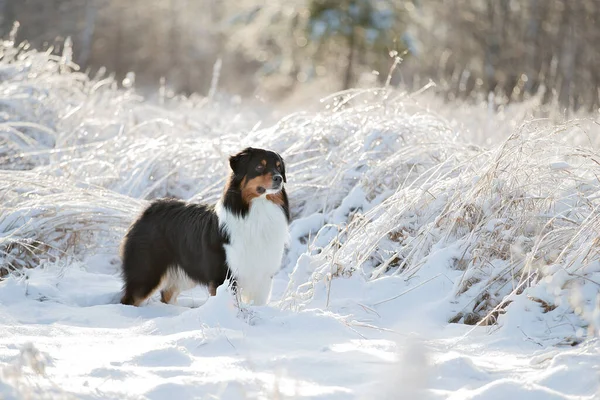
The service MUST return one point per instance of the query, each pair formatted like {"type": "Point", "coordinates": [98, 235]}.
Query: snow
{"type": "Point", "coordinates": [560, 165]}
{"type": "Point", "coordinates": [402, 221]}
{"type": "Point", "coordinates": [99, 349]}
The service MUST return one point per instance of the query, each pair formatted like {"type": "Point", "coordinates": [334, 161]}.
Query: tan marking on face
{"type": "Point", "coordinates": [263, 162]}
{"type": "Point", "coordinates": [250, 187]}
{"type": "Point", "coordinates": [278, 164]}
{"type": "Point", "coordinates": [276, 198]}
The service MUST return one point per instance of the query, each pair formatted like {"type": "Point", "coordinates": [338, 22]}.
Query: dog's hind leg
{"type": "Point", "coordinates": [135, 297]}
{"type": "Point", "coordinates": [175, 281]}
{"type": "Point", "coordinates": [138, 288]}
{"type": "Point", "coordinates": [169, 294]}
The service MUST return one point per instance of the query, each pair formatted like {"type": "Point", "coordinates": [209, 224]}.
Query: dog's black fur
{"type": "Point", "coordinates": [174, 234]}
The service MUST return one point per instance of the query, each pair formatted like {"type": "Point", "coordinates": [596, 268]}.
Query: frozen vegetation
{"type": "Point", "coordinates": [438, 251]}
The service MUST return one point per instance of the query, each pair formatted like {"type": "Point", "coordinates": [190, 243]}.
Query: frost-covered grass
{"type": "Point", "coordinates": [409, 216]}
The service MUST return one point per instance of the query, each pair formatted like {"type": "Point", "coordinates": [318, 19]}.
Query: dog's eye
{"type": "Point", "coordinates": [260, 167]}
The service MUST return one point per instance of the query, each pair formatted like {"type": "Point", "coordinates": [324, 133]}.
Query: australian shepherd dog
{"type": "Point", "coordinates": [175, 245]}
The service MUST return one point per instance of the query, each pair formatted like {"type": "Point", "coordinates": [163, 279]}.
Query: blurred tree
{"type": "Point", "coordinates": [87, 29]}
{"type": "Point", "coordinates": [366, 27]}
{"type": "Point", "coordinates": [301, 40]}
{"type": "Point", "coordinates": [7, 15]}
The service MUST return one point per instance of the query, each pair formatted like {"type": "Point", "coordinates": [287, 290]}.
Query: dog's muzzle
{"type": "Point", "coordinates": [276, 184]}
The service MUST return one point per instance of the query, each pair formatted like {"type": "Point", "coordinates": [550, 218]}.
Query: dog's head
{"type": "Point", "coordinates": [258, 172]}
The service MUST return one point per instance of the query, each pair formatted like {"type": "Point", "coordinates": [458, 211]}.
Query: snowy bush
{"type": "Point", "coordinates": [519, 218]}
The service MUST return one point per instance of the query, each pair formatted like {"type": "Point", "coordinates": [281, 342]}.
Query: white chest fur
{"type": "Point", "coordinates": [255, 249]}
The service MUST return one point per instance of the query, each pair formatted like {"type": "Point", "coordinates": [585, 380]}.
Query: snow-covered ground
{"type": "Point", "coordinates": [438, 252]}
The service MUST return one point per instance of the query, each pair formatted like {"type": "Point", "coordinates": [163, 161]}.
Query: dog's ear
{"type": "Point", "coordinates": [282, 168]}
{"type": "Point", "coordinates": [238, 161]}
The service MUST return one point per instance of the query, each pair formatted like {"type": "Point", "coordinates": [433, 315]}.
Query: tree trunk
{"type": "Point", "coordinates": [567, 58]}
{"type": "Point", "coordinates": [87, 34]}
{"type": "Point", "coordinates": [351, 44]}
{"type": "Point", "coordinates": [119, 37]}
{"type": "Point", "coordinates": [7, 16]}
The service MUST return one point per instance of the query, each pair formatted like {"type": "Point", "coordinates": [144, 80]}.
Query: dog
{"type": "Point", "coordinates": [175, 245]}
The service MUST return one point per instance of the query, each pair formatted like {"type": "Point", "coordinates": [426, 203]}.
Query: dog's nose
{"type": "Point", "coordinates": [277, 179]}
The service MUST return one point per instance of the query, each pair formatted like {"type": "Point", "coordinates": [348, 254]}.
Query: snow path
{"type": "Point", "coordinates": [95, 349]}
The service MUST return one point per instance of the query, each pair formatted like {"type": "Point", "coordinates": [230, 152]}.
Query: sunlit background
{"type": "Point", "coordinates": [298, 49]}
